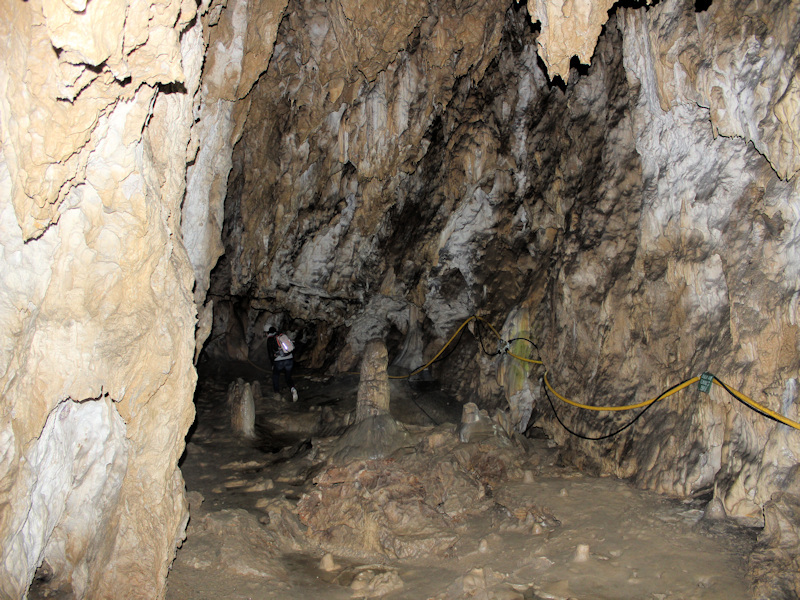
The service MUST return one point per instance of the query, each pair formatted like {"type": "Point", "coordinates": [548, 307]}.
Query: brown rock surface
{"type": "Point", "coordinates": [96, 303]}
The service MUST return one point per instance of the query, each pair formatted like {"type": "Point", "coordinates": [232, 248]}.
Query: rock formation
{"type": "Point", "coordinates": [242, 408]}
{"type": "Point", "coordinates": [387, 171]}
{"type": "Point", "coordinates": [98, 320]}
{"type": "Point", "coordinates": [375, 433]}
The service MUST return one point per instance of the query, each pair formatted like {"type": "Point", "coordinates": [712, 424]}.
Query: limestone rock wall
{"type": "Point", "coordinates": [239, 36]}
{"type": "Point", "coordinates": [639, 223]}
{"type": "Point", "coordinates": [329, 143]}
{"type": "Point", "coordinates": [118, 120]}
{"type": "Point", "coordinates": [96, 375]}
{"type": "Point", "coordinates": [688, 268]}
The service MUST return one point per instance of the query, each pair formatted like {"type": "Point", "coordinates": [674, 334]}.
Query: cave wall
{"type": "Point", "coordinates": [639, 222]}
{"type": "Point", "coordinates": [97, 315]}
{"type": "Point", "coordinates": [115, 120]}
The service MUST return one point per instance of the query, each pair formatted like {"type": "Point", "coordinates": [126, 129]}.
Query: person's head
{"type": "Point", "coordinates": [271, 330]}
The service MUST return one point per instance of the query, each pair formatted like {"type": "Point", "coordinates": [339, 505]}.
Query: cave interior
{"type": "Point", "coordinates": [539, 262]}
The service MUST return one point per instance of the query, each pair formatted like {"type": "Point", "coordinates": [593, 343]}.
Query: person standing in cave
{"type": "Point", "coordinates": [282, 361]}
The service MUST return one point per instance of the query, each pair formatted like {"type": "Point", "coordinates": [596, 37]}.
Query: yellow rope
{"type": "Point", "coordinates": [678, 388]}
{"type": "Point", "coordinates": [533, 361]}
{"type": "Point", "coordinates": [438, 354]}
{"type": "Point", "coordinates": [753, 404]}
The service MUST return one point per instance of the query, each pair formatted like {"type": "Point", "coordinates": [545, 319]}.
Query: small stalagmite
{"type": "Point", "coordinates": [375, 433]}
{"type": "Point", "coordinates": [373, 388]}
{"type": "Point", "coordinates": [243, 410]}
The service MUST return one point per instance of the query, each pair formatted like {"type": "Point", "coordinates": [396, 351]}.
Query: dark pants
{"type": "Point", "coordinates": [286, 367]}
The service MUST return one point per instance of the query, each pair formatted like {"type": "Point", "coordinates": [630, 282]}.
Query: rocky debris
{"type": "Point", "coordinates": [375, 582]}
{"type": "Point", "coordinates": [372, 508]}
{"type": "Point", "coordinates": [232, 541]}
{"type": "Point", "coordinates": [476, 425]}
{"type": "Point", "coordinates": [514, 536]}
{"type": "Point", "coordinates": [412, 503]}
{"type": "Point", "coordinates": [524, 515]}
{"type": "Point", "coordinates": [481, 582]}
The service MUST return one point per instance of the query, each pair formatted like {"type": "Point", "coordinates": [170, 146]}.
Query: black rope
{"type": "Point", "coordinates": [524, 339]}
{"type": "Point", "coordinates": [753, 408]}
{"type": "Point", "coordinates": [618, 431]}
{"type": "Point", "coordinates": [478, 323]}
{"type": "Point", "coordinates": [425, 412]}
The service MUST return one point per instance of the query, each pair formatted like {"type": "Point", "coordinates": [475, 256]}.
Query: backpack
{"type": "Point", "coordinates": [285, 345]}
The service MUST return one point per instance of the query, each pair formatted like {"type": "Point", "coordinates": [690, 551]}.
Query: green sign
{"type": "Point", "coordinates": [705, 382]}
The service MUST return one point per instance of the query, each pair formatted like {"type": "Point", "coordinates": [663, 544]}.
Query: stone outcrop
{"type": "Point", "coordinates": [415, 504]}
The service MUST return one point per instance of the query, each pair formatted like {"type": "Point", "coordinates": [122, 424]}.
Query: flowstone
{"type": "Point", "coordinates": [416, 502]}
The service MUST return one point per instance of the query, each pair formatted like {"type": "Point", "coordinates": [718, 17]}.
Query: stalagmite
{"type": "Point", "coordinates": [375, 433]}
{"type": "Point", "coordinates": [242, 409]}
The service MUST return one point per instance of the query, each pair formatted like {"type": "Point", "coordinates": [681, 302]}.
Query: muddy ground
{"type": "Point", "coordinates": [460, 513]}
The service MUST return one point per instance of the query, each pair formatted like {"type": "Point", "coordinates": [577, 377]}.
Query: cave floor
{"type": "Point", "coordinates": [543, 531]}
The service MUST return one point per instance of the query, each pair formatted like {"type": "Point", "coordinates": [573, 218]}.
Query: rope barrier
{"type": "Point", "coordinates": [749, 402]}
{"type": "Point", "coordinates": [644, 404]}
{"type": "Point", "coordinates": [706, 379]}
{"type": "Point", "coordinates": [756, 406]}
{"type": "Point", "coordinates": [621, 429]}
{"type": "Point", "coordinates": [419, 370]}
